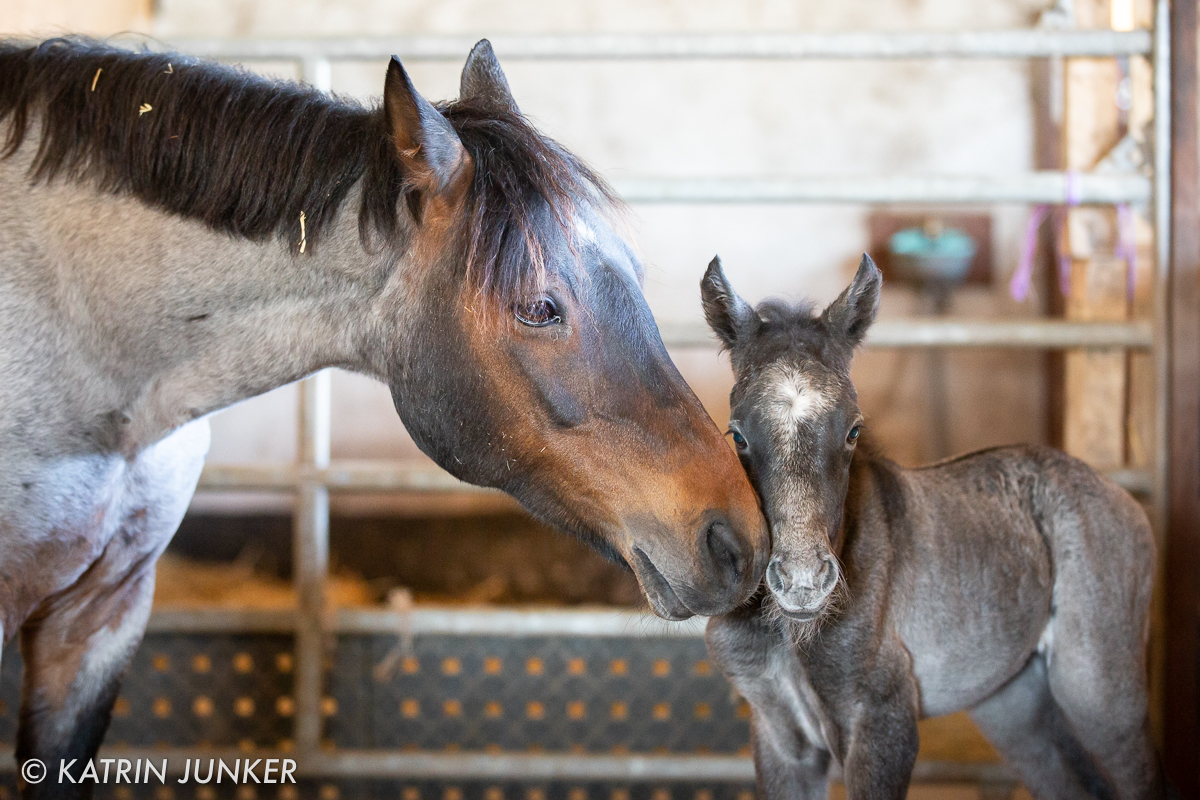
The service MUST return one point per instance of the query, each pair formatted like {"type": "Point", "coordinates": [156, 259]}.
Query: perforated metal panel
{"type": "Point", "coordinates": [440, 693]}
{"type": "Point", "coordinates": [544, 694]}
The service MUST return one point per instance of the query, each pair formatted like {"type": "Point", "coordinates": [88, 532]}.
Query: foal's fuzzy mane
{"type": "Point", "coordinates": [782, 326]}
{"type": "Point", "coordinates": [246, 155]}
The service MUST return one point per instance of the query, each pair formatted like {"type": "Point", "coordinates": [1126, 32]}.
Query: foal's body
{"type": "Point", "coordinates": [1012, 582]}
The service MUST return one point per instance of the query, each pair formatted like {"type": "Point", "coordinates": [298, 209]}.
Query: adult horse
{"type": "Point", "coordinates": [1013, 582]}
{"type": "Point", "coordinates": [176, 236]}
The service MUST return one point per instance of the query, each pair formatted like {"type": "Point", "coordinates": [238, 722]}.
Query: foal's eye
{"type": "Point", "coordinates": [538, 313]}
{"type": "Point", "coordinates": [739, 440]}
{"type": "Point", "coordinates": [853, 435]}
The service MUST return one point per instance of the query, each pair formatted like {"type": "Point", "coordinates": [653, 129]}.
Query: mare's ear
{"type": "Point", "coordinates": [430, 152]}
{"type": "Point", "coordinates": [728, 315]}
{"type": "Point", "coordinates": [853, 312]}
{"type": "Point", "coordinates": [482, 78]}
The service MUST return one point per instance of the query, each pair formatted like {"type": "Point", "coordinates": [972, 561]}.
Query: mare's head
{"type": "Point", "coordinates": [530, 362]}
{"type": "Point", "coordinates": [795, 422]}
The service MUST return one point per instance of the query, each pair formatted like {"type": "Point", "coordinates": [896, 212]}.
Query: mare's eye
{"type": "Point", "coordinates": [739, 440]}
{"type": "Point", "coordinates": [852, 436]}
{"type": "Point", "coordinates": [538, 313]}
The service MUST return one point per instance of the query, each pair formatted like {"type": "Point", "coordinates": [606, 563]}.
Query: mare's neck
{"type": "Point", "coordinates": [179, 321]}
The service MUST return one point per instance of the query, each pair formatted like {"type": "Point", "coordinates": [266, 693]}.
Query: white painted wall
{"type": "Point", "coordinates": [713, 118]}
{"type": "Point", "coordinates": [95, 17]}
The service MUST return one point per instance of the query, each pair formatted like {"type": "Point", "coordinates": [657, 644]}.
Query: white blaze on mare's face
{"type": "Point", "coordinates": [620, 261]}
{"type": "Point", "coordinates": [584, 231]}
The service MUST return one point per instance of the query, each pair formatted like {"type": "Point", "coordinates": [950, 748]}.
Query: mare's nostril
{"type": "Point", "coordinates": [725, 550]}
{"type": "Point", "coordinates": [774, 579]}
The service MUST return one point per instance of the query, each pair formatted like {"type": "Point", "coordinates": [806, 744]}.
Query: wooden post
{"type": "Point", "coordinates": [1182, 740]}
{"type": "Point", "coordinates": [1094, 380]}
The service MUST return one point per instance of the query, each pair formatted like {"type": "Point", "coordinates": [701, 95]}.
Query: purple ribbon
{"type": "Point", "coordinates": [1022, 279]}
{"type": "Point", "coordinates": [1126, 247]}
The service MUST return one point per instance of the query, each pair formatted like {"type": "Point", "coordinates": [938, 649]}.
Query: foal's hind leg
{"type": "Point", "coordinates": [1023, 722]}
{"type": "Point", "coordinates": [1097, 659]}
{"type": "Point", "coordinates": [1101, 688]}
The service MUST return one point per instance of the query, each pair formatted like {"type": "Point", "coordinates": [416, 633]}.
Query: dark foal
{"type": "Point", "coordinates": [1014, 582]}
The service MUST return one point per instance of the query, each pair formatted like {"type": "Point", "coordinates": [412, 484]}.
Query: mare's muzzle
{"type": "Point", "coordinates": [727, 567]}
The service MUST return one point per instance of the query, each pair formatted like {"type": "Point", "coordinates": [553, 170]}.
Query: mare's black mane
{"type": "Point", "coordinates": [246, 155]}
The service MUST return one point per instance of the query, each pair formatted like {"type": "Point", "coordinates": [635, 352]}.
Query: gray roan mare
{"type": "Point", "coordinates": [176, 236]}
{"type": "Point", "coordinates": [1013, 582]}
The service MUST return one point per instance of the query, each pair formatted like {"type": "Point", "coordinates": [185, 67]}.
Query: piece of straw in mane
{"type": "Point", "coordinates": [247, 155]}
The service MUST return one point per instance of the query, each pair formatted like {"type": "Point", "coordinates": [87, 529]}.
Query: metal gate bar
{"type": "Point", "coordinates": [314, 475]}
{"type": "Point", "coordinates": [748, 46]}
{"type": "Point", "coordinates": [1035, 187]}
{"type": "Point", "coordinates": [400, 476]}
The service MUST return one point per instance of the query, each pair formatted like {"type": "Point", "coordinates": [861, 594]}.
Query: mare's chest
{"type": "Point", "coordinates": [60, 516]}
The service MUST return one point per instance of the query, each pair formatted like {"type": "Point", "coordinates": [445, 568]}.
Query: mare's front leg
{"type": "Point", "coordinates": [881, 734]}
{"type": "Point", "coordinates": [77, 644]}
{"type": "Point", "coordinates": [76, 649]}
{"type": "Point", "coordinates": [755, 657]}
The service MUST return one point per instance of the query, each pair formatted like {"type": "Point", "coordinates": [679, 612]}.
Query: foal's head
{"type": "Point", "coordinates": [795, 422]}
{"type": "Point", "coordinates": [531, 361]}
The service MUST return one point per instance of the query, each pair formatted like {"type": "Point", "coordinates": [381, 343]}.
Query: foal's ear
{"type": "Point", "coordinates": [430, 152]}
{"type": "Point", "coordinates": [728, 315]}
{"type": "Point", "coordinates": [483, 79]}
{"type": "Point", "coordinates": [853, 312]}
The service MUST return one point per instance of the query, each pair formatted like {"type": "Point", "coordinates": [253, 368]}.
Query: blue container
{"type": "Point", "coordinates": [920, 255]}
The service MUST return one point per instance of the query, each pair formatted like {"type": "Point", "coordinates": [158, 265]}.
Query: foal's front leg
{"type": "Point", "coordinates": [76, 649]}
{"type": "Point", "coordinates": [756, 657]}
{"type": "Point", "coordinates": [883, 741]}
{"type": "Point", "coordinates": [786, 765]}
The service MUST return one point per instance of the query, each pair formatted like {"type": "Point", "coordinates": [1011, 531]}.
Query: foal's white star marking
{"type": "Point", "coordinates": [795, 399]}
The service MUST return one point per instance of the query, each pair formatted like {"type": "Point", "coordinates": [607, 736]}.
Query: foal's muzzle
{"type": "Point", "coordinates": [801, 588]}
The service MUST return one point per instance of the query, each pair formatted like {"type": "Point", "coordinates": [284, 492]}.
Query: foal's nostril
{"type": "Point", "coordinates": [828, 576]}
{"type": "Point", "coordinates": [775, 578]}
{"type": "Point", "coordinates": [725, 549]}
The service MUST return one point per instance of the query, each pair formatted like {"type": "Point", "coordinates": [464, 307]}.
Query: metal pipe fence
{"type": "Point", "coordinates": [315, 475]}
{"type": "Point", "coordinates": [744, 46]}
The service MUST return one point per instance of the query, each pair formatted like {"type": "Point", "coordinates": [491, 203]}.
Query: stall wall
{"type": "Point", "coordinates": [95, 17]}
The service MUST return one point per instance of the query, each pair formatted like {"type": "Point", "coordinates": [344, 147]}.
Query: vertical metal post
{"type": "Point", "coordinates": [310, 561]}
{"type": "Point", "coordinates": [317, 72]}
{"type": "Point", "coordinates": [1160, 502]}
{"type": "Point", "coordinates": [310, 530]}
{"type": "Point", "coordinates": [1162, 255]}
